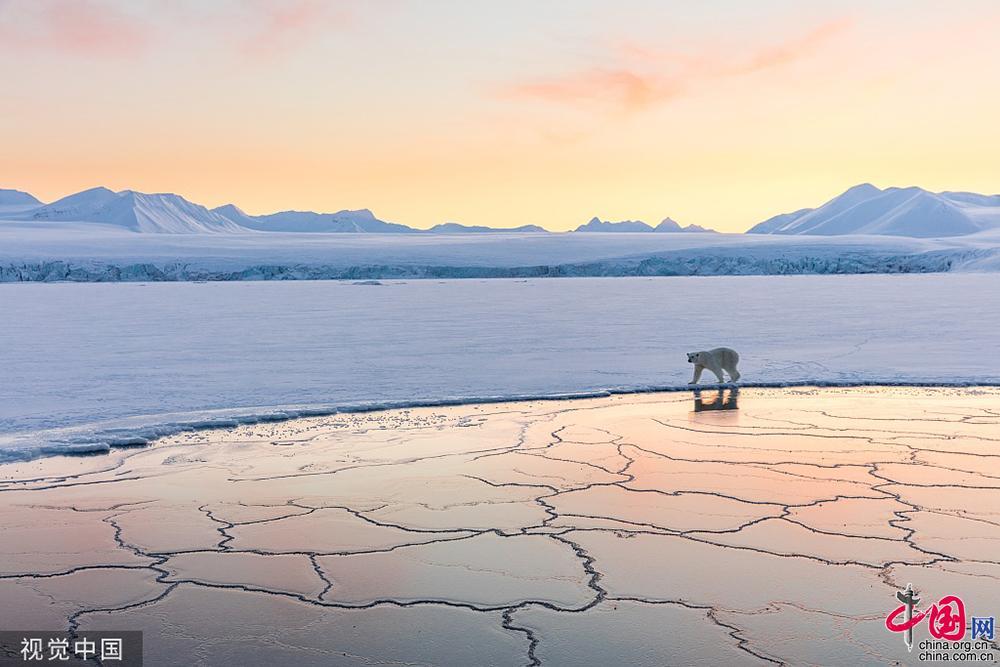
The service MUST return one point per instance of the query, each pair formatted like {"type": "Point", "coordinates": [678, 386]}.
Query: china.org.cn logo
{"type": "Point", "coordinates": [946, 619]}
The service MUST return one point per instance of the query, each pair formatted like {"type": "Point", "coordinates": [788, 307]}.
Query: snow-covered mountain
{"type": "Point", "coordinates": [667, 225]}
{"type": "Point", "coordinates": [912, 211]}
{"type": "Point", "coordinates": [163, 213]}
{"type": "Point", "coordinates": [172, 214]}
{"type": "Point", "coordinates": [17, 198]}
{"type": "Point", "coordinates": [80, 206]}
{"type": "Point", "coordinates": [234, 213]}
{"type": "Point", "coordinates": [136, 211]}
{"type": "Point", "coordinates": [457, 228]}
{"type": "Point", "coordinates": [360, 221]}
{"type": "Point", "coordinates": [597, 225]}
{"type": "Point", "coordinates": [777, 222]}
{"type": "Point", "coordinates": [863, 209]}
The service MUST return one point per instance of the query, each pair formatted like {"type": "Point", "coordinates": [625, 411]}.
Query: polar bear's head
{"type": "Point", "coordinates": [694, 357]}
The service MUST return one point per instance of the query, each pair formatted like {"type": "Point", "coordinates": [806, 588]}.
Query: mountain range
{"type": "Point", "coordinates": [360, 221]}
{"type": "Point", "coordinates": [666, 225]}
{"type": "Point", "coordinates": [912, 211]}
{"type": "Point", "coordinates": [172, 214]}
{"type": "Point", "coordinates": [862, 209]}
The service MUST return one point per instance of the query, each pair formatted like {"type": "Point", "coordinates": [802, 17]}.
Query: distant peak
{"type": "Point", "coordinates": [863, 188]}
{"type": "Point", "coordinates": [597, 225]}
{"type": "Point", "coordinates": [362, 213]}
{"type": "Point", "coordinates": [135, 194]}
{"type": "Point", "coordinates": [233, 213]}
{"type": "Point", "coordinates": [99, 190]}
{"type": "Point", "coordinates": [668, 224]}
{"type": "Point", "coordinates": [895, 211]}
{"type": "Point", "coordinates": [909, 189]}
{"type": "Point", "coordinates": [459, 228]}
{"type": "Point", "coordinates": [698, 228]}
{"type": "Point", "coordinates": [11, 196]}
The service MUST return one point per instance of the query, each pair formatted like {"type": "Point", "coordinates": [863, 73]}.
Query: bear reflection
{"type": "Point", "coordinates": [717, 399]}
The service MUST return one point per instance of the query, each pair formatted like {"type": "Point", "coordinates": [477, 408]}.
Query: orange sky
{"type": "Point", "coordinates": [500, 113]}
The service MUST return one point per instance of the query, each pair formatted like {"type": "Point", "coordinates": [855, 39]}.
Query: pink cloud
{"type": "Point", "coordinates": [793, 49]}
{"type": "Point", "coordinates": [647, 76]}
{"type": "Point", "coordinates": [627, 89]}
{"type": "Point", "coordinates": [78, 27]}
{"type": "Point", "coordinates": [282, 25]}
{"type": "Point", "coordinates": [258, 29]}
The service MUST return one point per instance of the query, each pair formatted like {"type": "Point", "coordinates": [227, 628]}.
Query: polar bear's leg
{"type": "Point", "coordinates": [734, 361]}
{"type": "Point", "coordinates": [730, 368]}
{"type": "Point", "coordinates": [718, 374]}
{"type": "Point", "coordinates": [698, 368]}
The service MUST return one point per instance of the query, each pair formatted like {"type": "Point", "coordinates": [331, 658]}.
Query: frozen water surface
{"type": "Point", "coordinates": [86, 366]}
{"type": "Point", "coordinates": [644, 529]}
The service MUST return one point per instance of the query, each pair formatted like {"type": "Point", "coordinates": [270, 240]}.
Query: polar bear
{"type": "Point", "coordinates": [717, 360]}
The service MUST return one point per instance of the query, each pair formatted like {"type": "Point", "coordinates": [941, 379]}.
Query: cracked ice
{"type": "Point", "coordinates": [615, 530]}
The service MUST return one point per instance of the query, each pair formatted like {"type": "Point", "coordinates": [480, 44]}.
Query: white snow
{"type": "Point", "coordinates": [16, 199]}
{"type": "Point", "coordinates": [37, 250]}
{"type": "Point", "coordinates": [865, 209]}
{"type": "Point", "coordinates": [667, 225]}
{"type": "Point", "coordinates": [671, 225]}
{"type": "Point", "coordinates": [861, 210]}
{"type": "Point", "coordinates": [78, 206]}
{"type": "Point", "coordinates": [102, 235]}
{"type": "Point", "coordinates": [134, 211]}
{"type": "Point", "coordinates": [85, 365]}
{"type": "Point", "coordinates": [359, 221]}
{"type": "Point", "coordinates": [595, 224]}
{"type": "Point", "coordinates": [458, 228]}
{"type": "Point", "coordinates": [163, 213]}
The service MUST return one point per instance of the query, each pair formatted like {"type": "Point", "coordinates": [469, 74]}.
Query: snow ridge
{"type": "Point", "coordinates": [135, 211]}
{"type": "Point", "coordinates": [359, 221]}
{"type": "Point", "coordinates": [667, 225]}
{"type": "Point", "coordinates": [912, 211]}
{"type": "Point", "coordinates": [17, 198]}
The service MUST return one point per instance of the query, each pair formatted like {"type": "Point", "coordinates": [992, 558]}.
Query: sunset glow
{"type": "Point", "coordinates": [504, 114]}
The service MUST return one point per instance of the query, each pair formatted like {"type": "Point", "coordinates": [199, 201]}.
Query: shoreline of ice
{"type": "Point", "coordinates": [90, 440]}
{"type": "Point", "coordinates": [87, 252]}
{"type": "Point", "coordinates": [89, 365]}
{"type": "Point", "coordinates": [674, 264]}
